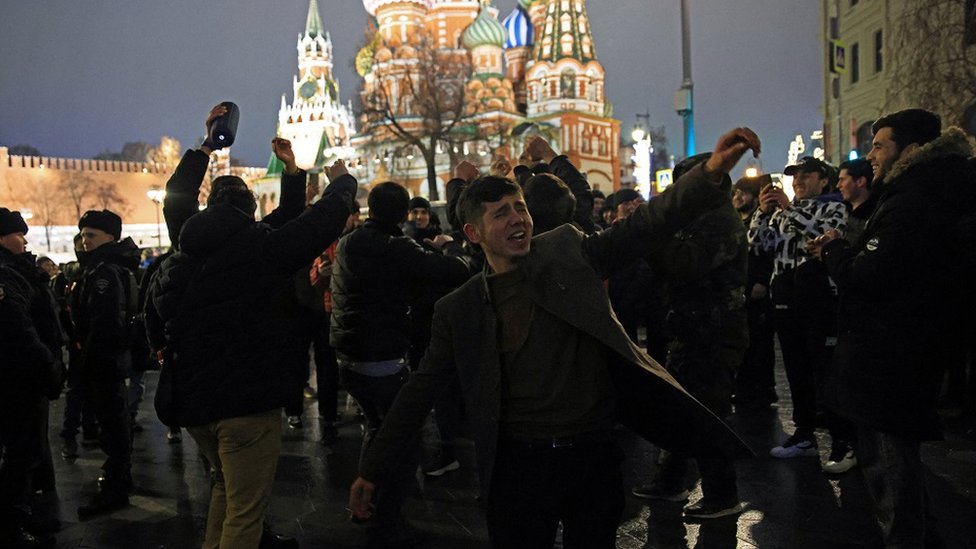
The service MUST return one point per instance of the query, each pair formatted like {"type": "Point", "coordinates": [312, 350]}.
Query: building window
{"type": "Point", "coordinates": [878, 51]}
{"type": "Point", "coordinates": [855, 60]}
{"type": "Point", "coordinates": [865, 137]}
{"type": "Point", "coordinates": [853, 3]}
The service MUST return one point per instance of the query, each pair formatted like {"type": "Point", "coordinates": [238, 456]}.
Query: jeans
{"type": "Point", "coordinates": [895, 478]}
{"type": "Point", "coordinates": [534, 488]}
{"type": "Point", "coordinates": [243, 453]}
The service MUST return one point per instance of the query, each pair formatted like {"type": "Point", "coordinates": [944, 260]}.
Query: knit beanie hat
{"type": "Point", "coordinates": [419, 202]}
{"type": "Point", "coordinates": [103, 220]}
{"type": "Point", "coordinates": [11, 222]}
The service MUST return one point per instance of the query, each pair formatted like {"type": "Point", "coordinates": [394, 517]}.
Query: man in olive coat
{"type": "Point", "coordinates": [545, 367]}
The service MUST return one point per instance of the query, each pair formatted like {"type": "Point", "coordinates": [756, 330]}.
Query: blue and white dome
{"type": "Point", "coordinates": [518, 24]}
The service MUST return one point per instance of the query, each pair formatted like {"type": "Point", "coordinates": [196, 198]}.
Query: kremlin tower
{"type": "Point", "coordinates": [318, 126]}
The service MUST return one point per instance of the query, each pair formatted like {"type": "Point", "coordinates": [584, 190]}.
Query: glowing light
{"type": "Point", "coordinates": [752, 172]}
{"type": "Point", "coordinates": [853, 156]}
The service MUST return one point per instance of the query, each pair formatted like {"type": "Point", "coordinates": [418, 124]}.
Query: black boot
{"type": "Point", "coordinates": [272, 540]}
{"type": "Point", "coordinates": [104, 502]}
{"type": "Point", "coordinates": [19, 538]}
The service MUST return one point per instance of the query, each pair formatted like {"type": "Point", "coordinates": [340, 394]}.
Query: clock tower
{"type": "Point", "coordinates": [316, 123]}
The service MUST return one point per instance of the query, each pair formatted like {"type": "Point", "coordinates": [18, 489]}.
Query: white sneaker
{"type": "Point", "coordinates": [795, 446]}
{"type": "Point", "coordinates": [841, 460]}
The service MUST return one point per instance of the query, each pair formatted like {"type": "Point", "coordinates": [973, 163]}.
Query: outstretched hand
{"type": "Point", "coordinates": [282, 149]}
{"type": "Point", "coordinates": [336, 170]}
{"type": "Point", "coordinates": [466, 171]}
{"type": "Point", "coordinates": [215, 113]}
{"type": "Point", "coordinates": [500, 167]}
{"type": "Point", "coordinates": [730, 149]}
{"type": "Point", "coordinates": [361, 498]}
{"type": "Point", "coordinates": [539, 150]}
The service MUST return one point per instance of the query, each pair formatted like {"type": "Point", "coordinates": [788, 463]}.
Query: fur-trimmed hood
{"type": "Point", "coordinates": [952, 142]}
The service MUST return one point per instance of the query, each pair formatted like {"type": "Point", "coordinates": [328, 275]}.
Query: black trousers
{"type": "Point", "coordinates": [20, 431]}
{"type": "Point", "coordinates": [375, 395]}
{"type": "Point", "coordinates": [108, 398]}
{"type": "Point", "coordinates": [315, 334]}
{"type": "Point", "coordinates": [756, 380]}
{"type": "Point", "coordinates": [536, 487]}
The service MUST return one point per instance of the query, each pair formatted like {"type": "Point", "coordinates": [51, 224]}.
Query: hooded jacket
{"type": "Point", "coordinates": [229, 320]}
{"type": "Point", "coordinates": [898, 284]}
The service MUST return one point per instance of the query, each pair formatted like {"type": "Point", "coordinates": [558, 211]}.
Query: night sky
{"type": "Point", "coordinates": [80, 78]}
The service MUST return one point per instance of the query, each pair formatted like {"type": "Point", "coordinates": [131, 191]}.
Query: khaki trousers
{"type": "Point", "coordinates": [243, 454]}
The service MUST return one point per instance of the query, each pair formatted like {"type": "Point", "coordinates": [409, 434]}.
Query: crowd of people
{"type": "Point", "coordinates": [536, 319]}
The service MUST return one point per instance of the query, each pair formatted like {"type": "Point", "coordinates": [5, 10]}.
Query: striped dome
{"type": "Point", "coordinates": [519, 27]}
{"type": "Point", "coordinates": [484, 31]}
{"type": "Point", "coordinates": [372, 5]}
{"type": "Point", "coordinates": [525, 4]}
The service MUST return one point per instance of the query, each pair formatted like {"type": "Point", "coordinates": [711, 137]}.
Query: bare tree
{"type": "Point", "coordinates": [419, 100]}
{"type": "Point", "coordinates": [76, 187]}
{"type": "Point", "coordinates": [47, 204]}
{"type": "Point", "coordinates": [166, 156]}
{"type": "Point", "coordinates": [109, 198]}
{"type": "Point", "coordinates": [933, 57]}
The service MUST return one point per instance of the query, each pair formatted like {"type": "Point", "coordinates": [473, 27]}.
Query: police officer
{"type": "Point", "coordinates": [30, 372]}
{"type": "Point", "coordinates": [102, 305]}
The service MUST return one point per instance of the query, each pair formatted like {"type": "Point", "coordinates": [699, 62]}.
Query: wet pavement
{"type": "Point", "coordinates": [790, 504]}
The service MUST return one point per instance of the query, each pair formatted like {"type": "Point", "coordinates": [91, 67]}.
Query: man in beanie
{"type": "Point", "coordinates": [755, 382]}
{"type": "Point", "coordinates": [102, 303]}
{"type": "Point", "coordinates": [30, 373]}
{"type": "Point", "coordinates": [901, 285]}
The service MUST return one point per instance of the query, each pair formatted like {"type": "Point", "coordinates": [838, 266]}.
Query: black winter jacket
{"type": "Point", "coordinates": [100, 311]}
{"type": "Point", "coordinates": [30, 349]}
{"type": "Point", "coordinates": [229, 320]}
{"type": "Point", "coordinates": [898, 282]}
{"type": "Point", "coordinates": [376, 272]}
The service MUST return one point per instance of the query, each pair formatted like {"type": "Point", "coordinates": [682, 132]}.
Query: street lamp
{"type": "Point", "coordinates": [157, 195]}
{"type": "Point", "coordinates": [642, 160]}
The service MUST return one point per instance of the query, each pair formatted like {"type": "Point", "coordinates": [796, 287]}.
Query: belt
{"type": "Point", "coordinates": [590, 438]}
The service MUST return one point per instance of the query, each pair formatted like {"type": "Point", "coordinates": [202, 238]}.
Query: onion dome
{"type": "Point", "coordinates": [485, 30]}
{"type": "Point", "coordinates": [518, 24]}
{"type": "Point", "coordinates": [372, 5]}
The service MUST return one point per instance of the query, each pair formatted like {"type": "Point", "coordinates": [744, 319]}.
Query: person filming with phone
{"type": "Point", "coordinates": [804, 298]}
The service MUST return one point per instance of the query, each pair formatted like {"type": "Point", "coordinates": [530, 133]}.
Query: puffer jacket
{"type": "Point", "coordinates": [376, 272]}
{"type": "Point", "coordinates": [899, 283]}
{"type": "Point", "coordinates": [30, 349]}
{"type": "Point", "coordinates": [230, 322]}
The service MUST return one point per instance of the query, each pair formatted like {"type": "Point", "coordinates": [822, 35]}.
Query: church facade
{"type": "Point", "coordinates": [534, 73]}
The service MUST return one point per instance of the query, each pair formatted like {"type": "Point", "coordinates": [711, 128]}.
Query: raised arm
{"type": "Point", "coordinates": [703, 188]}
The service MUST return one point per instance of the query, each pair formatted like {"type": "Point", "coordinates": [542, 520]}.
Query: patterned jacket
{"type": "Point", "coordinates": [785, 233]}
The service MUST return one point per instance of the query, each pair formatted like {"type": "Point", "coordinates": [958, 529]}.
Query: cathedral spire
{"type": "Point", "coordinates": [566, 34]}
{"type": "Point", "coordinates": [313, 23]}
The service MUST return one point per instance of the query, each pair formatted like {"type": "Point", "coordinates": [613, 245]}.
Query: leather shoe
{"type": "Point", "coordinates": [272, 540]}
{"type": "Point", "coordinates": [103, 503]}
